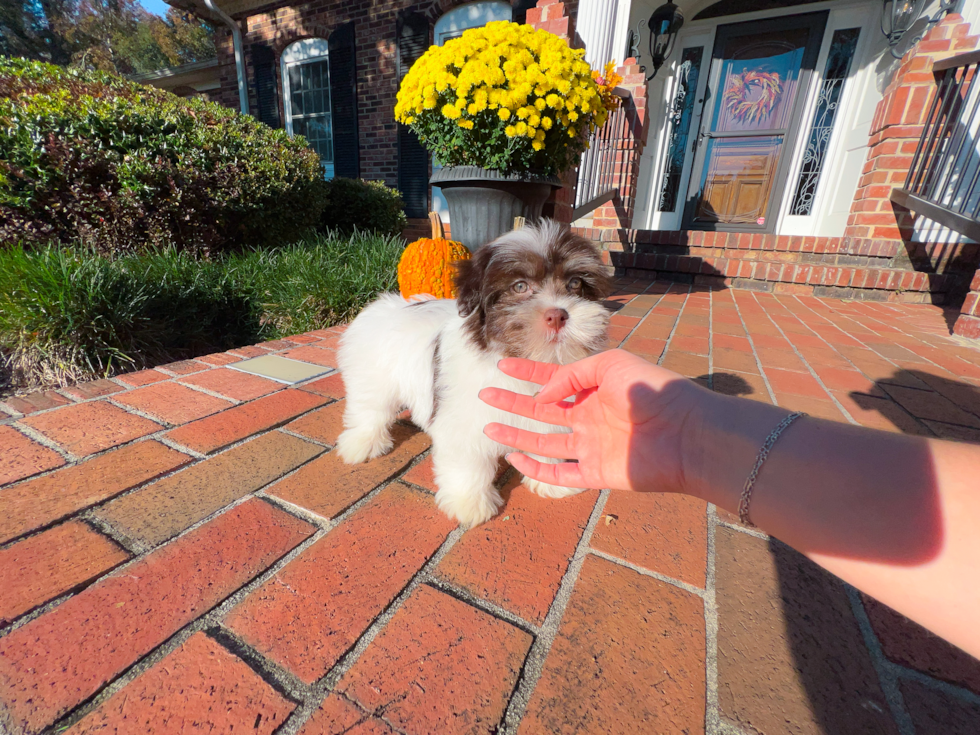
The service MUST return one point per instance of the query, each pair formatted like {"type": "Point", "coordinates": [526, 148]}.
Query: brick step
{"type": "Point", "coordinates": [899, 259]}
{"type": "Point", "coordinates": [864, 282]}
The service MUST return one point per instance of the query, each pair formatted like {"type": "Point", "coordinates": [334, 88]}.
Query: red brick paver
{"type": "Point", "coordinates": [318, 605]}
{"type": "Point", "coordinates": [199, 687]}
{"type": "Point", "coordinates": [339, 716]}
{"type": "Point", "coordinates": [233, 384]}
{"type": "Point", "coordinates": [327, 486]}
{"type": "Point", "coordinates": [44, 500]}
{"type": "Point", "coordinates": [518, 558]}
{"type": "Point", "coordinates": [628, 658]}
{"type": "Point", "coordinates": [159, 511]}
{"type": "Point", "coordinates": [439, 666]}
{"type": "Point", "coordinates": [42, 567]}
{"type": "Point", "coordinates": [602, 612]}
{"type": "Point", "coordinates": [23, 457]}
{"type": "Point", "coordinates": [87, 428]}
{"type": "Point", "coordinates": [172, 402]}
{"type": "Point", "coordinates": [215, 432]}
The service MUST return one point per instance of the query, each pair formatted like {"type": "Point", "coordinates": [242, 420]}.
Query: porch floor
{"type": "Point", "coordinates": [181, 551]}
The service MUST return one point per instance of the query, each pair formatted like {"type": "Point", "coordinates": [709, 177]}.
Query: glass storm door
{"type": "Point", "coordinates": [750, 116]}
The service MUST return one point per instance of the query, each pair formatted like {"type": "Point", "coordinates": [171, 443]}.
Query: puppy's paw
{"type": "Point", "coordinates": [359, 446]}
{"type": "Point", "coordinates": [550, 491]}
{"type": "Point", "coordinates": [469, 508]}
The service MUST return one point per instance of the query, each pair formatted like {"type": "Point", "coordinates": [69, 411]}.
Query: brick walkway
{"type": "Point", "coordinates": [180, 551]}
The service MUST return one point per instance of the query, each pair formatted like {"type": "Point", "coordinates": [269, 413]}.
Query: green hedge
{"type": "Point", "coordinates": [69, 314]}
{"type": "Point", "coordinates": [87, 156]}
{"type": "Point", "coordinates": [355, 204]}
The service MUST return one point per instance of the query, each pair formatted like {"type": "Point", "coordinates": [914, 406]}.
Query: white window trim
{"type": "Point", "coordinates": [302, 52]}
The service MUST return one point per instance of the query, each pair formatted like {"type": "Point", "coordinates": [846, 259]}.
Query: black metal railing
{"type": "Point", "coordinates": [605, 169]}
{"type": "Point", "coordinates": [943, 183]}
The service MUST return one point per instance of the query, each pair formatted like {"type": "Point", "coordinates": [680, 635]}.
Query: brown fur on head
{"type": "Point", "coordinates": [534, 293]}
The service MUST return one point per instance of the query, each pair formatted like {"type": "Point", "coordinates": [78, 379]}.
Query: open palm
{"type": "Point", "coordinates": [634, 425]}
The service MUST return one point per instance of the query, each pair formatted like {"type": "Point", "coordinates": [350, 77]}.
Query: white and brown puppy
{"type": "Point", "coordinates": [531, 293]}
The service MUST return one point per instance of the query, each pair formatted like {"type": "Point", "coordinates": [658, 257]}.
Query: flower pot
{"type": "Point", "coordinates": [483, 203]}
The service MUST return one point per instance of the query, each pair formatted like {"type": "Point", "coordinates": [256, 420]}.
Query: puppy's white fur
{"type": "Point", "coordinates": [427, 357]}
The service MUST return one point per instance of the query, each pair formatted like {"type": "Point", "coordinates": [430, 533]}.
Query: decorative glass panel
{"type": "Point", "coordinates": [838, 64]}
{"type": "Point", "coordinates": [680, 112]}
{"type": "Point", "coordinates": [309, 92]}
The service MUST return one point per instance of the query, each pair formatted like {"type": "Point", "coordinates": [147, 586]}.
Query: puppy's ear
{"type": "Point", "coordinates": [470, 280]}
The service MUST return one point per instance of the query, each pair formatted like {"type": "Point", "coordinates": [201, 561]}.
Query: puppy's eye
{"type": "Point", "coordinates": [520, 287]}
{"type": "Point", "coordinates": [574, 284]}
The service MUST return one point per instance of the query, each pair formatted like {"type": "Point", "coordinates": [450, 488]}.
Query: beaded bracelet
{"type": "Point", "coordinates": [746, 497]}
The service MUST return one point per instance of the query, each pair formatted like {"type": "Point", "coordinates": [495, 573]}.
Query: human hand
{"type": "Point", "coordinates": [635, 426]}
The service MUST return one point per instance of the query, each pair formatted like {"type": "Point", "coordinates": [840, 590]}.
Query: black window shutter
{"type": "Point", "coordinates": [413, 159]}
{"type": "Point", "coordinates": [520, 8]}
{"type": "Point", "coordinates": [266, 92]}
{"type": "Point", "coordinates": [343, 99]}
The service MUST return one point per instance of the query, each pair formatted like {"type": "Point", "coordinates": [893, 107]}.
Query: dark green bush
{"type": "Point", "coordinates": [69, 314]}
{"type": "Point", "coordinates": [355, 204]}
{"type": "Point", "coordinates": [87, 156]}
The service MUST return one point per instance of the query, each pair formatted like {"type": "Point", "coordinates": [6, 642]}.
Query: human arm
{"type": "Point", "coordinates": [896, 516]}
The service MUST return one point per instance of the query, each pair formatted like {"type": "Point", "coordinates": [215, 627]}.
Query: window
{"type": "Point", "coordinates": [838, 65]}
{"type": "Point", "coordinates": [680, 112]}
{"type": "Point", "coordinates": [306, 90]}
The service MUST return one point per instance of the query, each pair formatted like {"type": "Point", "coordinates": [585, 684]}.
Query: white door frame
{"type": "Point", "coordinates": [848, 144]}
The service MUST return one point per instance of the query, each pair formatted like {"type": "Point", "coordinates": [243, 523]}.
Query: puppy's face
{"type": "Point", "coordinates": [534, 293]}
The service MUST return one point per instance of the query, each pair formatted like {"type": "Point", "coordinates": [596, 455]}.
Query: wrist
{"type": "Point", "coordinates": [732, 432]}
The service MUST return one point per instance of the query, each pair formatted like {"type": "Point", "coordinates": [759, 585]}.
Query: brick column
{"type": "Point", "coordinates": [968, 322]}
{"type": "Point", "coordinates": [618, 214]}
{"type": "Point", "coordinates": [895, 132]}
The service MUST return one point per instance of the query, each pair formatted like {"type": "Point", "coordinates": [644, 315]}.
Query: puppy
{"type": "Point", "coordinates": [531, 293]}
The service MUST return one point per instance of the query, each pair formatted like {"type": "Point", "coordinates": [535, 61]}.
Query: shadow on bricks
{"type": "Point", "coordinates": [926, 404]}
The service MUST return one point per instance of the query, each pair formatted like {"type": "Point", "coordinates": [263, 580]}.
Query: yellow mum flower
{"type": "Point", "coordinates": [510, 131]}
{"type": "Point", "coordinates": [521, 128]}
{"type": "Point", "coordinates": [503, 113]}
{"type": "Point", "coordinates": [540, 104]}
{"type": "Point", "coordinates": [537, 145]}
{"type": "Point", "coordinates": [465, 124]}
{"type": "Point", "coordinates": [546, 123]}
{"type": "Point", "coordinates": [450, 112]}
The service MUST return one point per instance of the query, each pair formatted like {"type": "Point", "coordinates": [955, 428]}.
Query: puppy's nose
{"type": "Point", "coordinates": [555, 319]}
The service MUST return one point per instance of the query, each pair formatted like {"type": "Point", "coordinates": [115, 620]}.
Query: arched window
{"type": "Point", "coordinates": [306, 94]}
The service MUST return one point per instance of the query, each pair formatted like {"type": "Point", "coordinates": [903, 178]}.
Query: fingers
{"type": "Point", "coordinates": [549, 413]}
{"type": "Point", "coordinates": [572, 379]}
{"type": "Point", "coordinates": [566, 474]}
{"type": "Point", "coordinates": [529, 370]}
{"type": "Point", "coordinates": [558, 446]}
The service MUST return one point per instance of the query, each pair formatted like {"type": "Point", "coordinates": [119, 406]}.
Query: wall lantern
{"type": "Point", "coordinates": [898, 16]}
{"type": "Point", "coordinates": [663, 24]}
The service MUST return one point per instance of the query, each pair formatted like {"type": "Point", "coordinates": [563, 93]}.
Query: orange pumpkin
{"type": "Point", "coordinates": [426, 266]}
